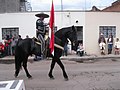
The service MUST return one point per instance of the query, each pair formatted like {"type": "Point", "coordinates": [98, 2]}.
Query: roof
{"type": "Point", "coordinates": [115, 7]}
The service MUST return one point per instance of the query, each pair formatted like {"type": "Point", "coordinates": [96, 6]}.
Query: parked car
{"type": "Point", "coordinates": [2, 49]}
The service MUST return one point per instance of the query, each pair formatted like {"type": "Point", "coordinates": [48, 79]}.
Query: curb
{"type": "Point", "coordinates": [92, 58]}
{"type": "Point", "coordinates": [10, 59]}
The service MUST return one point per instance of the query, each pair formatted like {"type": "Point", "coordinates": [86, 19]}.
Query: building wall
{"type": "Point", "coordinates": [66, 19]}
{"type": "Point", "coordinates": [2, 6]}
{"type": "Point", "coordinates": [26, 21]}
{"type": "Point", "coordinates": [9, 6]}
{"type": "Point", "coordinates": [89, 20]}
{"type": "Point", "coordinates": [92, 22]}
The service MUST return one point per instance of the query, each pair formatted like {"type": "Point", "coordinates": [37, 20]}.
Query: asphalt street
{"type": "Point", "coordinates": [98, 75]}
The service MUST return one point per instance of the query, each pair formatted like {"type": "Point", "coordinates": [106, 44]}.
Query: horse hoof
{"type": "Point", "coordinates": [52, 78]}
{"type": "Point", "coordinates": [66, 79]}
{"type": "Point", "coordinates": [30, 77]}
{"type": "Point", "coordinates": [15, 75]}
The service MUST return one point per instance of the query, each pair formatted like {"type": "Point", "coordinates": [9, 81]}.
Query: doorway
{"type": "Point", "coordinates": [79, 37]}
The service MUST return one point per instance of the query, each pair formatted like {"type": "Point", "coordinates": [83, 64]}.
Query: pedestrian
{"type": "Point", "coordinates": [19, 38]}
{"type": "Point", "coordinates": [13, 45]}
{"type": "Point", "coordinates": [27, 36]}
{"type": "Point", "coordinates": [102, 44]}
{"type": "Point", "coordinates": [117, 46]}
{"type": "Point", "coordinates": [7, 42]}
{"type": "Point", "coordinates": [80, 49]}
{"type": "Point", "coordinates": [65, 51]}
{"type": "Point", "coordinates": [110, 43]}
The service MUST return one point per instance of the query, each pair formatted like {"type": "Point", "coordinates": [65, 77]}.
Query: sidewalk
{"type": "Point", "coordinates": [73, 57]}
{"type": "Point", "coordinates": [90, 57]}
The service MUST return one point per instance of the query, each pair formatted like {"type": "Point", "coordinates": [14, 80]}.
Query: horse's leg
{"type": "Point", "coordinates": [25, 68]}
{"type": "Point", "coordinates": [63, 69]}
{"type": "Point", "coordinates": [51, 69]}
{"type": "Point", "coordinates": [17, 72]}
{"type": "Point", "coordinates": [17, 66]}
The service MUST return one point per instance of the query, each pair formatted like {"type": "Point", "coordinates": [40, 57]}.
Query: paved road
{"type": "Point", "coordinates": [100, 75]}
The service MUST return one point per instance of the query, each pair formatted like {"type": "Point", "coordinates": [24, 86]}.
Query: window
{"type": "Point", "coordinates": [10, 31]}
{"type": "Point", "coordinates": [79, 33]}
{"type": "Point", "coordinates": [107, 30]}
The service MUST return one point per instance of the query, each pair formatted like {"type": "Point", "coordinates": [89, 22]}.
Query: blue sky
{"type": "Point", "coordinates": [45, 5]}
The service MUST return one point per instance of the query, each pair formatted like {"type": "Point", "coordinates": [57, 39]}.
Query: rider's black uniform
{"type": "Point", "coordinates": [40, 26]}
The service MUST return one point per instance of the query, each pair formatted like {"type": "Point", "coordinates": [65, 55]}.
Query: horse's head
{"type": "Point", "coordinates": [72, 34]}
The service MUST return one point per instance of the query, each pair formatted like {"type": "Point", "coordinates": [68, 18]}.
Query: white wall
{"type": "Point", "coordinates": [26, 21]}
{"type": "Point", "coordinates": [89, 20]}
{"type": "Point", "coordinates": [92, 22]}
{"type": "Point", "coordinates": [65, 19]}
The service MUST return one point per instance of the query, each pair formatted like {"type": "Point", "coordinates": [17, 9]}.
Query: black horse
{"type": "Point", "coordinates": [27, 47]}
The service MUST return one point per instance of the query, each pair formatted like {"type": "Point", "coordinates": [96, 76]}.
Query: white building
{"type": "Point", "coordinates": [89, 25]}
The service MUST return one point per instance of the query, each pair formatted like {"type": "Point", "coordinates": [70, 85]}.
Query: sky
{"type": "Point", "coordinates": [45, 5]}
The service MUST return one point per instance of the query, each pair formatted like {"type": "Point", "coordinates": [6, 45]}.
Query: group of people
{"type": "Point", "coordinates": [8, 47]}
{"type": "Point", "coordinates": [110, 44]}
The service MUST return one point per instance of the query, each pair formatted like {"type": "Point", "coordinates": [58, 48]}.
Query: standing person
{"type": "Point", "coordinates": [27, 36]}
{"type": "Point", "coordinates": [117, 46]}
{"type": "Point", "coordinates": [102, 44]}
{"type": "Point", "coordinates": [65, 48]}
{"type": "Point", "coordinates": [19, 38]}
{"type": "Point", "coordinates": [41, 31]}
{"type": "Point", "coordinates": [110, 43]}
{"type": "Point", "coordinates": [13, 45]}
{"type": "Point", "coordinates": [7, 45]}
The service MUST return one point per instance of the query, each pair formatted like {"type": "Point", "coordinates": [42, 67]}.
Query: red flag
{"type": "Point", "coordinates": [51, 30]}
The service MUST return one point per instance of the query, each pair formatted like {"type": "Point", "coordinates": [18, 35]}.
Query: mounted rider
{"type": "Point", "coordinates": [41, 30]}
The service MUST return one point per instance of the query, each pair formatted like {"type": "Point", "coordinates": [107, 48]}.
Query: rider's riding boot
{"type": "Point", "coordinates": [43, 55]}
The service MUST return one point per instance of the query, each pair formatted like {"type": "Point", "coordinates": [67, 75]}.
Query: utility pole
{"type": "Point", "coordinates": [61, 5]}
{"type": "Point", "coordinates": [85, 5]}
{"type": "Point", "coordinates": [61, 13]}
